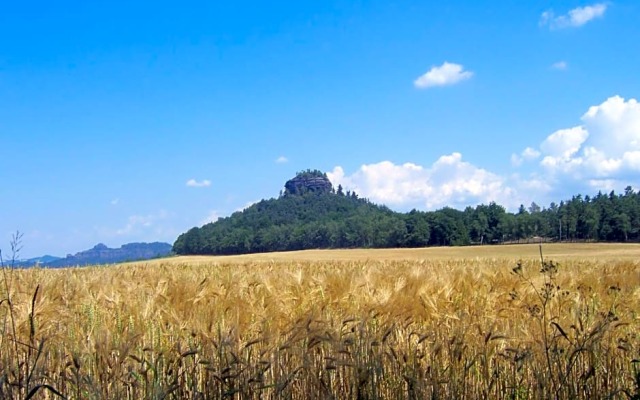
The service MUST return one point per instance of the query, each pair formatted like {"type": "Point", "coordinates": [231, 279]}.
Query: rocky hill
{"type": "Point", "coordinates": [308, 214]}
{"type": "Point", "coordinates": [308, 181]}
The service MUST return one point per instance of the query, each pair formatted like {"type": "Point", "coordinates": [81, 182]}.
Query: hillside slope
{"type": "Point", "coordinates": [303, 217]}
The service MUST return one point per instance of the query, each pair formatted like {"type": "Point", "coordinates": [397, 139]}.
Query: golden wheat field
{"type": "Point", "coordinates": [492, 322]}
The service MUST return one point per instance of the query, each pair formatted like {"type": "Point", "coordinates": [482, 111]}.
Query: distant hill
{"type": "Point", "coordinates": [101, 254]}
{"type": "Point", "coordinates": [311, 214]}
{"type": "Point", "coordinates": [37, 260]}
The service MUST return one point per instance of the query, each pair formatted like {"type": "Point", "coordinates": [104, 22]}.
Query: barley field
{"type": "Point", "coordinates": [492, 322]}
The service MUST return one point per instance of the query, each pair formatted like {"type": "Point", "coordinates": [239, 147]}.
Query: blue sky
{"type": "Point", "coordinates": [134, 121]}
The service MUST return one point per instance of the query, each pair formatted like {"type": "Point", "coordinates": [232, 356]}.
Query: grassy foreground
{"type": "Point", "coordinates": [363, 325]}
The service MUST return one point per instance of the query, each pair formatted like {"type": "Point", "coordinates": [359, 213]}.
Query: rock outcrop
{"type": "Point", "coordinates": [308, 181]}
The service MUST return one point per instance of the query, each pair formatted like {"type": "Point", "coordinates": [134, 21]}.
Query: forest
{"type": "Point", "coordinates": [311, 214]}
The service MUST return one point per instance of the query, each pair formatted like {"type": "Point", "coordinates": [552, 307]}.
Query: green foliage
{"type": "Point", "coordinates": [312, 215]}
{"type": "Point", "coordinates": [311, 173]}
{"type": "Point", "coordinates": [311, 220]}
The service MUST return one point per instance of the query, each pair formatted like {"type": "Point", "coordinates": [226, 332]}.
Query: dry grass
{"type": "Point", "coordinates": [369, 326]}
{"type": "Point", "coordinates": [556, 251]}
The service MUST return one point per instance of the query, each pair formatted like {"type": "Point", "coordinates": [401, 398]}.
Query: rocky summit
{"type": "Point", "coordinates": [308, 181]}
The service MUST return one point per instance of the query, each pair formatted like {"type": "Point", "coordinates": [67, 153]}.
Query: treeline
{"type": "Point", "coordinates": [342, 220]}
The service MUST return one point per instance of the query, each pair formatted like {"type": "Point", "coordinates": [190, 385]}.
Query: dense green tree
{"type": "Point", "coordinates": [417, 227]}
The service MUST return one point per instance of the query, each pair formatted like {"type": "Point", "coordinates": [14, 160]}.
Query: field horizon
{"type": "Point", "coordinates": [530, 251]}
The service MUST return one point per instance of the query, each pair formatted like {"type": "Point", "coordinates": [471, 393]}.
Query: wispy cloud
{"type": "Point", "coordinates": [246, 205]}
{"type": "Point", "coordinates": [115, 202]}
{"type": "Point", "coordinates": [444, 75]}
{"type": "Point", "coordinates": [282, 160]}
{"type": "Point", "coordinates": [574, 18]}
{"type": "Point", "coordinates": [195, 183]}
{"type": "Point", "coordinates": [560, 65]}
{"type": "Point", "coordinates": [140, 223]}
{"type": "Point", "coordinates": [213, 216]}
{"type": "Point", "coordinates": [527, 154]}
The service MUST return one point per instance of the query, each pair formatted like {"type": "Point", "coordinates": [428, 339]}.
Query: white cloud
{"type": "Point", "coordinates": [527, 154]}
{"type": "Point", "coordinates": [282, 160]}
{"type": "Point", "coordinates": [446, 74]}
{"type": "Point", "coordinates": [614, 125]}
{"type": "Point", "coordinates": [574, 18]}
{"type": "Point", "coordinates": [565, 142]}
{"type": "Point", "coordinates": [532, 187]}
{"type": "Point", "coordinates": [581, 15]}
{"type": "Point", "coordinates": [195, 183]}
{"type": "Point", "coordinates": [115, 202]}
{"type": "Point", "coordinates": [530, 154]}
{"type": "Point", "coordinates": [449, 181]}
{"type": "Point", "coordinates": [137, 224]}
{"type": "Point", "coordinates": [632, 160]}
{"type": "Point", "coordinates": [560, 65]}
{"type": "Point", "coordinates": [601, 153]}
{"type": "Point", "coordinates": [603, 150]}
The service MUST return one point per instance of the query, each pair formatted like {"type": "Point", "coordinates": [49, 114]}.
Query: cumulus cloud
{"type": "Point", "coordinates": [614, 125]}
{"type": "Point", "coordinates": [449, 181]}
{"type": "Point", "coordinates": [602, 152]}
{"type": "Point", "coordinates": [282, 160]}
{"type": "Point", "coordinates": [444, 75]}
{"type": "Point", "coordinates": [564, 143]}
{"type": "Point", "coordinates": [574, 18]}
{"type": "Point", "coordinates": [195, 183]}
